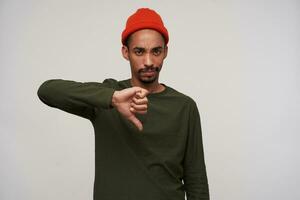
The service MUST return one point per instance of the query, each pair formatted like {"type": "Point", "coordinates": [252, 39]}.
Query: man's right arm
{"type": "Point", "coordinates": [83, 99]}
{"type": "Point", "coordinates": [77, 97]}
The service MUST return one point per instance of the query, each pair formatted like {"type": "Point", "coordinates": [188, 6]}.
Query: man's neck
{"type": "Point", "coordinates": [154, 87]}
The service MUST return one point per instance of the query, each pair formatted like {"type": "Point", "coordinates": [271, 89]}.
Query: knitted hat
{"type": "Point", "coordinates": [144, 18]}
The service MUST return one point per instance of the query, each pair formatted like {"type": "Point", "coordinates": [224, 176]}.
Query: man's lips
{"type": "Point", "coordinates": [148, 73]}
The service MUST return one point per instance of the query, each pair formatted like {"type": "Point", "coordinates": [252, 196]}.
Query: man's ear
{"type": "Point", "coordinates": [125, 52]}
{"type": "Point", "coordinates": [165, 51]}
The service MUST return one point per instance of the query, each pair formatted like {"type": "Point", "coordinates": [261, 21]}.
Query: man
{"type": "Point", "coordinates": [148, 141]}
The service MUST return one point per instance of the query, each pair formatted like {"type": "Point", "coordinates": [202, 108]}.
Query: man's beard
{"type": "Point", "coordinates": [149, 80]}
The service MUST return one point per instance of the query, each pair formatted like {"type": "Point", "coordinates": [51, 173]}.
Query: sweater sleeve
{"type": "Point", "coordinates": [195, 178]}
{"type": "Point", "coordinates": [79, 98]}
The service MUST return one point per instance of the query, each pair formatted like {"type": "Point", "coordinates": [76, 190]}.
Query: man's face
{"type": "Point", "coordinates": [146, 52]}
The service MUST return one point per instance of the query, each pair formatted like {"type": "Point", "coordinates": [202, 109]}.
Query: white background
{"type": "Point", "coordinates": [240, 61]}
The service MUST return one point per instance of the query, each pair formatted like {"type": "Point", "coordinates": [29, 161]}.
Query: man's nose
{"type": "Point", "coordinates": [148, 60]}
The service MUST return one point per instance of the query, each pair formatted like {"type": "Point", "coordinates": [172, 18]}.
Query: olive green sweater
{"type": "Point", "coordinates": [162, 162]}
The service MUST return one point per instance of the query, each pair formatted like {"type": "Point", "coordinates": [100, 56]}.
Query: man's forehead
{"type": "Point", "coordinates": [149, 38]}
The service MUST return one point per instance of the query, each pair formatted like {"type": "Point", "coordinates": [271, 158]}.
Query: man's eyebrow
{"type": "Point", "coordinates": [138, 48]}
{"type": "Point", "coordinates": [157, 48]}
{"type": "Point", "coordinates": [142, 48]}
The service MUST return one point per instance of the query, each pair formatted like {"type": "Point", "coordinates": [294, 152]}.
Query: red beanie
{"type": "Point", "coordinates": [144, 18]}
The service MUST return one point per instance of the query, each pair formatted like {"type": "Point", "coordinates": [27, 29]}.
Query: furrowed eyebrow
{"type": "Point", "coordinates": [157, 48]}
{"type": "Point", "coordinates": [139, 48]}
{"type": "Point", "coordinates": [143, 49]}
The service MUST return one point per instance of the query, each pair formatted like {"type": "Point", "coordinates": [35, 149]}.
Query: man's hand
{"type": "Point", "coordinates": [130, 101]}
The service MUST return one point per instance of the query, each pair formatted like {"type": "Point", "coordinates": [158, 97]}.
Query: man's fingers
{"type": "Point", "coordinates": [138, 111]}
{"type": "Point", "coordinates": [140, 101]}
{"type": "Point", "coordinates": [141, 93]}
{"type": "Point", "coordinates": [136, 122]}
{"type": "Point", "coordinates": [145, 92]}
{"type": "Point", "coordinates": [139, 107]}
{"type": "Point", "coordinates": [132, 91]}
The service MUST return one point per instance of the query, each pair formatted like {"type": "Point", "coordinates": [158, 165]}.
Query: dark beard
{"type": "Point", "coordinates": [149, 69]}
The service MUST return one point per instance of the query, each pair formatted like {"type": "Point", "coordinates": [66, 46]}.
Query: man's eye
{"type": "Point", "coordinates": [157, 52]}
{"type": "Point", "coordinates": [138, 52]}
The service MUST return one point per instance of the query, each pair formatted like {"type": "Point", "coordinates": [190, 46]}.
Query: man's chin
{"type": "Point", "coordinates": [147, 80]}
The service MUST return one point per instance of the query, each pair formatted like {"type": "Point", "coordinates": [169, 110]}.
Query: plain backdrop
{"type": "Point", "coordinates": [239, 60]}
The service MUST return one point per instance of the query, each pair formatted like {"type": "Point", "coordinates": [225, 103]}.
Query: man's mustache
{"type": "Point", "coordinates": [149, 69]}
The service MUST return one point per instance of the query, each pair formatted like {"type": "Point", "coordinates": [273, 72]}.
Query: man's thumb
{"type": "Point", "coordinates": [136, 122]}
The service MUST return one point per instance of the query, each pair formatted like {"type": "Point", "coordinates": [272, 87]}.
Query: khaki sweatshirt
{"type": "Point", "coordinates": [165, 161]}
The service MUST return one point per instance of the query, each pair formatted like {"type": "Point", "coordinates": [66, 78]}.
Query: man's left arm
{"type": "Point", "coordinates": [195, 177]}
